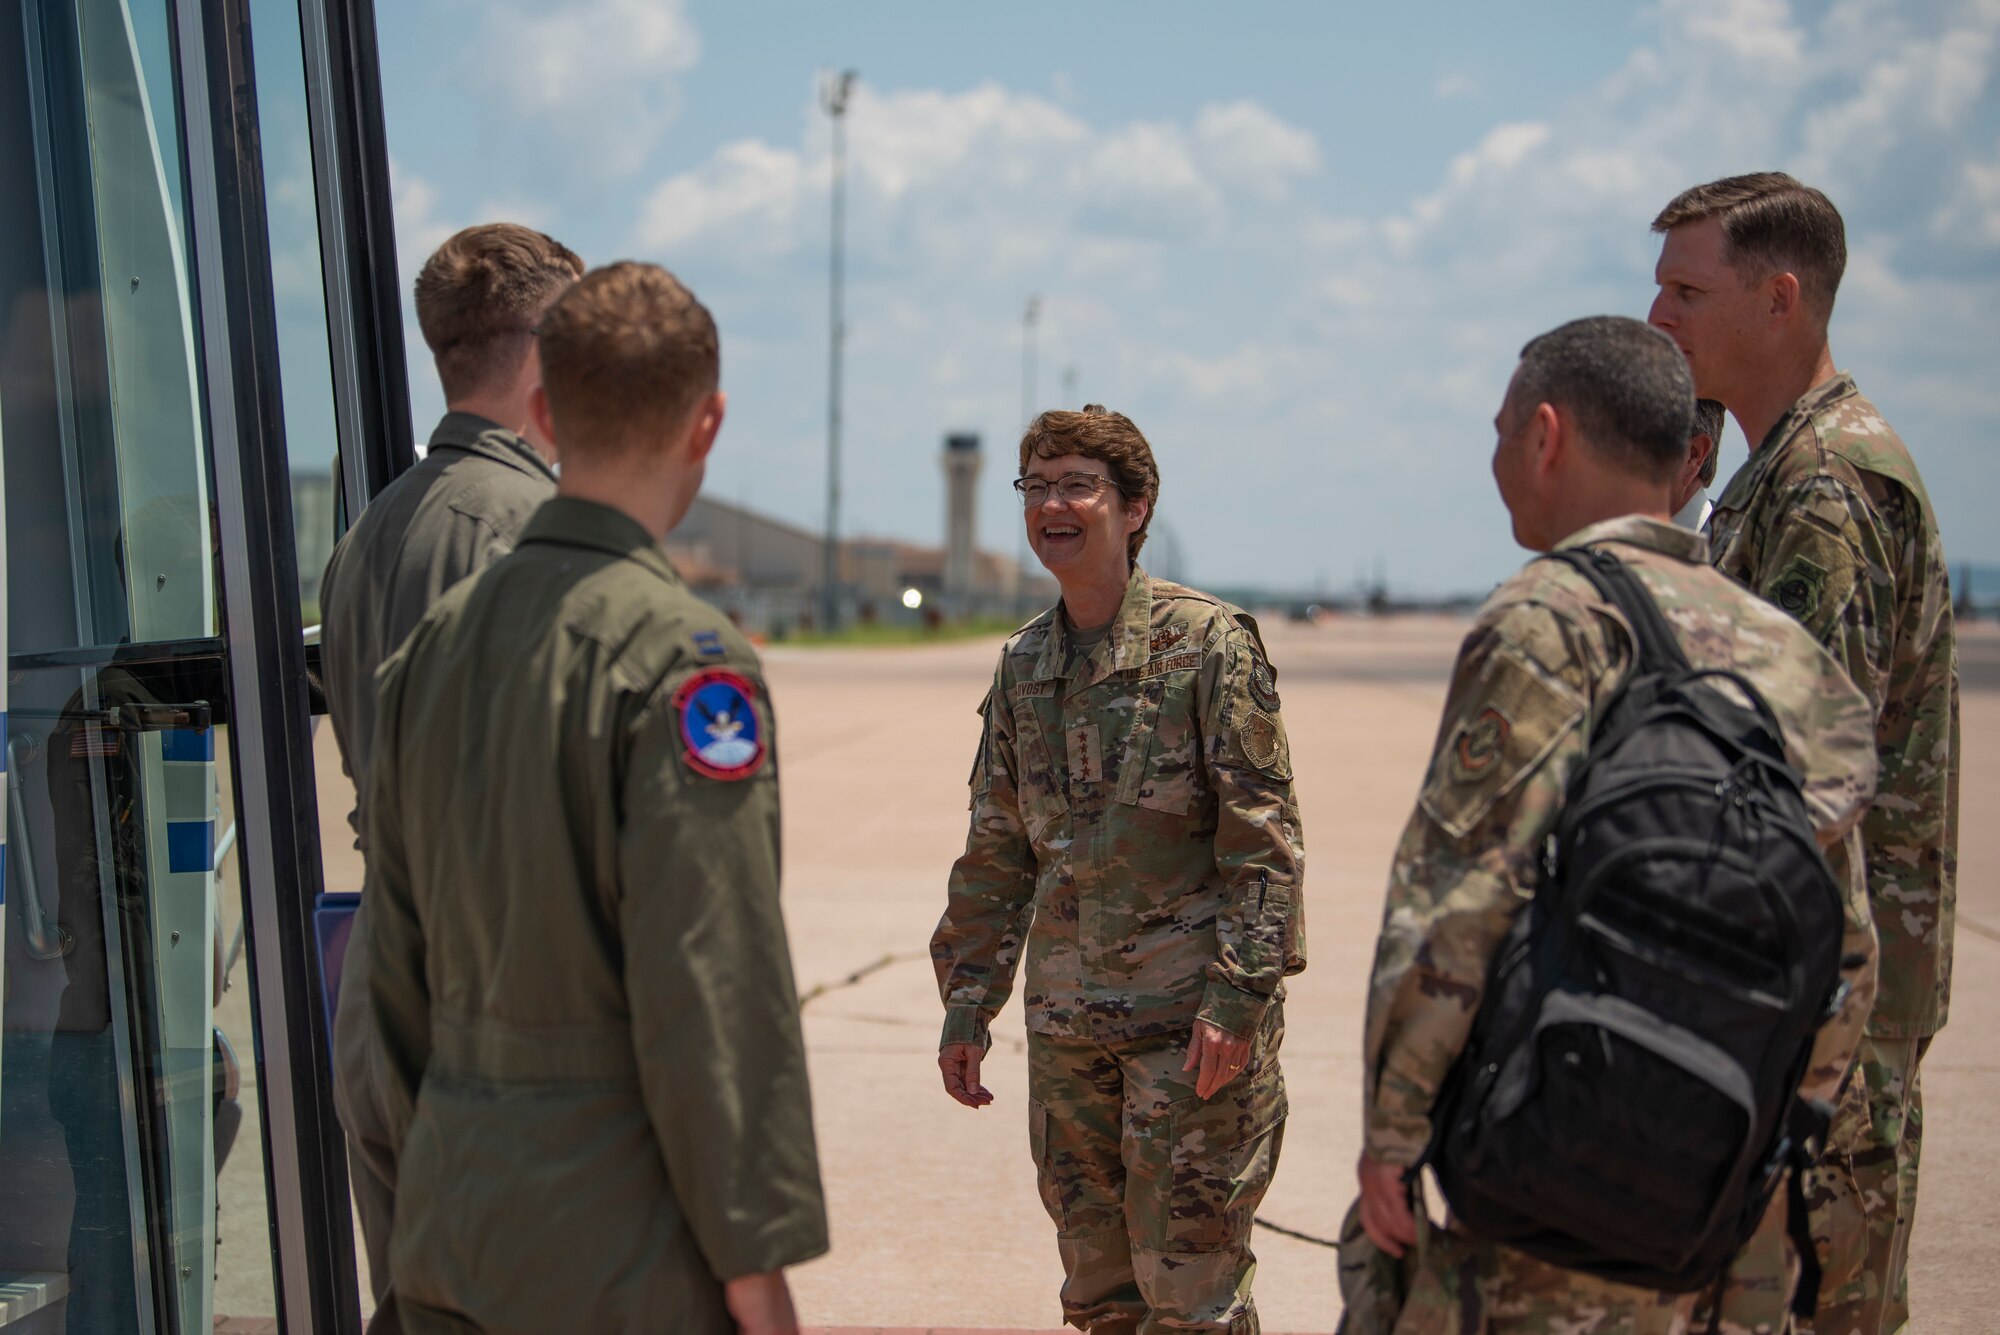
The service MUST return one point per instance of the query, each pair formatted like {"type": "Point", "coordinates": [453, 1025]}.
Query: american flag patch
{"type": "Point", "coordinates": [93, 740]}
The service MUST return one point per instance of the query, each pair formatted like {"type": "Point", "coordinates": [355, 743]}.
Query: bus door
{"type": "Point", "coordinates": [114, 685]}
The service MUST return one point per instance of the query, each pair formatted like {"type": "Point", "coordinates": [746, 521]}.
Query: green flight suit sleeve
{"type": "Point", "coordinates": [398, 984]}
{"type": "Point", "coordinates": [1828, 564]}
{"type": "Point", "coordinates": [715, 1012]}
{"type": "Point", "coordinates": [1259, 848]}
{"type": "Point", "coordinates": [989, 901]}
{"type": "Point", "coordinates": [1514, 729]}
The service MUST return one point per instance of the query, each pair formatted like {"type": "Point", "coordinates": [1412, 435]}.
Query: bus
{"type": "Point", "coordinates": [201, 376]}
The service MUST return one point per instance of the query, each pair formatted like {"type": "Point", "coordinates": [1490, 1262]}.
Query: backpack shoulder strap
{"type": "Point", "coordinates": [1659, 648]}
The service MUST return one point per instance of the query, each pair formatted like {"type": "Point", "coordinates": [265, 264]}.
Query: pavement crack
{"type": "Point", "coordinates": [1261, 1221]}
{"type": "Point", "coordinates": [819, 990]}
{"type": "Point", "coordinates": [1978, 928]}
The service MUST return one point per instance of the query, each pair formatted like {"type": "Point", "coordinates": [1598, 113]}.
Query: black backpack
{"type": "Point", "coordinates": [1628, 1100]}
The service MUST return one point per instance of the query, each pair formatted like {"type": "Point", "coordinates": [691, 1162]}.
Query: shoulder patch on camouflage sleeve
{"type": "Point", "coordinates": [1512, 719]}
{"type": "Point", "coordinates": [1798, 588]}
{"type": "Point", "coordinates": [1263, 684]}
{"type": "Point", "coordinates": [1264, 744]}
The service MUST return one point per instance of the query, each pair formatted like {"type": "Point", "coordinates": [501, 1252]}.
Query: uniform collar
{"type": "Point", "coordinates": [473, 434]}
{"type": "Point", "coordinates": [1653, 535]}
{"type": "Point", "coordinates": [1748, 478]}
{"type": "Point", "coordinates": [1695, 512]}
{"type": "Point", "coordinates": [1125, 647]}
{"type": "Point", "coordinates": [566, 521]}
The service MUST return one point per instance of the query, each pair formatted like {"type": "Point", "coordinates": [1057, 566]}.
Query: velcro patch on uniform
{"type": "Point", "coordinates": [1503, 727]}
{"type": "Point", "coordinates": [1169, 637]}
{"type": "Point", "coordinates": [1798, 588]}
{"type": "Point", "coordinates": [1263, 684]}
{"type": "Point", "coordinates": [708, 643]}
{"type": "Point", "coordinates": [1260, 737]}
{"type": "Point", "coordinates": [1032, 690]}
{"type": "Point", "coordinates": [1477, 745]}
{"type": "Point", "coordinates": [1086, 754]}
{"type": "Point", "coordinates": [719, 724]}
{"type": "Point", "coordinates": [1160, 666]}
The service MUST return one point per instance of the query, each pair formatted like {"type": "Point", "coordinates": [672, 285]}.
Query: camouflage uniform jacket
{"type": "Point", "coordinates": [1544, 655]}
{"type": "Point", "coordinates": [1134, 803]}
{"type": "Point", "coordinates": [1830, 521]}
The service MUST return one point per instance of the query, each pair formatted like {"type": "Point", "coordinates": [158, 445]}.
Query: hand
{"type": "Point", "coordinates": [761, 1304]}
{"type": "Point", "coordinates": [960, 1064]}
{"type": "Point", "coordinates": [1218, 1054]}
{"type": "Point", "coordinates": [1385, 1205]}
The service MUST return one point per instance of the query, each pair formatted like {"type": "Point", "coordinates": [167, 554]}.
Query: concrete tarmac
{"type": "Point", "coordinates": [936, 1223]}
{"type": "Point", "coordinates": [935, 1218]}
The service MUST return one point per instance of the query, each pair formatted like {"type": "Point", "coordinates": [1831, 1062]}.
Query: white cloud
{"type": "Point", "coordinates": [1001, 178]}
{"type": "Point", "coordinates": [1318, 378]}
{"type": "Point", "coordinates": [593, 82]}
{"type": "Point", "coordinates": [1244, 145]}
{"type": "Point", "coordinates": [1456, 85]}
{"type": "Point", "coordinates": [1758, 32]}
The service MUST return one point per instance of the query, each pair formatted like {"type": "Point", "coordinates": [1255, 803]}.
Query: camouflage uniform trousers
{"type": "Point", "coordinates": [1461, 1286]}
{"type": "Point", "coordinates": [1864, 1198]}
{"type": "Point", "coordinates": [1861, 1199]}
{"type": "Point", "coordinates": [1152, 1189]}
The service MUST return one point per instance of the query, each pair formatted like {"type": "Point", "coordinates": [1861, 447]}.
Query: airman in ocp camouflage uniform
{"type": "Point", "coordinates": [1830, 521]}
{"type": "Point", "coordinates": [1545, 654]}
{"type": "Point", "coordinates": [1133, 826]}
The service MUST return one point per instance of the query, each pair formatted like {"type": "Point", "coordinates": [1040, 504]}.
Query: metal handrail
{"type": "Point", "coordinates": [23, 748]}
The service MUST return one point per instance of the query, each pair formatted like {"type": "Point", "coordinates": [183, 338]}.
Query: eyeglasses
{"type": "Point", "coordinates": [1070, 488]}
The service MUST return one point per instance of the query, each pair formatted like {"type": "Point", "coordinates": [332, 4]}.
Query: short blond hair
{"type": "Point", "coordinates": [479, 297]}
{"type": "Point", "coordinates": [1112, 440]}
{"type": "Point", "coordinates": [627, 354]}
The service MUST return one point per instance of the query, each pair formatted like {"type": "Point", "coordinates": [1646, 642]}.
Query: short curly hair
{"type": "Point", "coordinates": [1112, 440]}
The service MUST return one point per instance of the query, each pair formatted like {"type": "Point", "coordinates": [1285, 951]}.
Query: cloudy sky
{"type": "Point", "coordinates": [1299, 244]}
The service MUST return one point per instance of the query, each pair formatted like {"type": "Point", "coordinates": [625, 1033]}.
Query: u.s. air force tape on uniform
{"type": "Point", "coordinates": [1506, 728]}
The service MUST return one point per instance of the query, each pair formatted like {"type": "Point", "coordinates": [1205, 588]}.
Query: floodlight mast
{"type": "Point", "coordinates": [835, 89]}
{"type": "Point", "coordinates": [1030, 317]}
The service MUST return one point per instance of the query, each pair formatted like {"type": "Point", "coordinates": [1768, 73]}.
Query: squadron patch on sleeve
{"type": "Point", "coordinates": [719, 724]}
{"type": "Point", "coordinates": [1263, 684]}
{"type": "Point", "coordinates": [1261, 745]}
{"type": "Point", "coordinates": [1798, 588]}
{"type": "Point", "coordinates": [1478, 745]}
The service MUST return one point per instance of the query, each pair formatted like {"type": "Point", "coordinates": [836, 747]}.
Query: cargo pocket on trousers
{"type": "Point", "coordinates": [1221, 1154]}
{"type": "Point", "coordinates": [1038, 1148]}
{"type": "Point", "coordinates": [1836, 1205]}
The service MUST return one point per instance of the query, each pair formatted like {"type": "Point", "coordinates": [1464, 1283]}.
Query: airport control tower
{"type": "Point", "coordinates": [961, 509]}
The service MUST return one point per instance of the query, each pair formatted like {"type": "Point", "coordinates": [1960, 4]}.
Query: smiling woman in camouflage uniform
{"type": "Point", "coordinates": [1133, 822]}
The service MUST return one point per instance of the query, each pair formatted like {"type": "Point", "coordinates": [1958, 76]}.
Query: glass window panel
{"type": "Point", "coordinates": [116, 1097]}
{"type": "Point", "coordinates": [304, 355]}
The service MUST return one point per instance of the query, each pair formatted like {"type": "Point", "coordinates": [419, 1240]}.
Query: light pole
{"type": "Point", "coordinates": [833, 95]}
{"type": "Point", "coordinates": [1030, 317]}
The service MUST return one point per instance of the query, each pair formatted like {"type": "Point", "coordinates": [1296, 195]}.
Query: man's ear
{"type": "Point", "coordinates": [1785, 295]}
{"type": "Point", "coordinates": [1548, 439]}
{"type": "Point", "coordinates": [706, 424]}
{"type": "Point", "coordinates": [539, 410]}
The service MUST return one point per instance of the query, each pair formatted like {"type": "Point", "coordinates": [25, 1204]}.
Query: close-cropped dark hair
{"type": "Point", "coordinates": [1111, 438]}
{"type": "Point", "coordinates": [1773, 224]}
{"type": "Point", "coordinates": [1708, 422]}
{"type": "Point", "coordinates": [1624, 384]}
